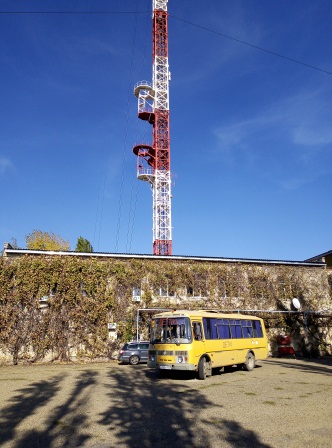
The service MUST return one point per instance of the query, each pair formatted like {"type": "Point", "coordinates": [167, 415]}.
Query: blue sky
{"type": "Point", "coordinates": [251, 134]}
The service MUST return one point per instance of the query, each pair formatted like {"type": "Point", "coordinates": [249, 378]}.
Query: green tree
{"type": "Point", "coordinates": [83, 245]}
{"type": "Point", "coordinates": [38, 240]}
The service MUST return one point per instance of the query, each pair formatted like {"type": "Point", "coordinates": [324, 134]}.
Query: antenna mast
{"type": "Point", "coordinates": [153, 162]}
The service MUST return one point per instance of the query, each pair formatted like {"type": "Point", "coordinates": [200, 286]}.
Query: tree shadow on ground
{"type": "Point", "coordinates": [26, 402]}
{"type": "Point", "coordinates": [147, 411]}
{"type": "Point", "coordinates": [322, 365]}
{"type": "Point", "coordinates": [137, 409]}
{"type": "Point", "coordinates": [65, 425]}
{"type": "Point", "coordinates": [235, 435]}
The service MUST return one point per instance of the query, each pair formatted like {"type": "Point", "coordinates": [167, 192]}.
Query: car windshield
{"type": "Point", "coordinates": [171, 329]}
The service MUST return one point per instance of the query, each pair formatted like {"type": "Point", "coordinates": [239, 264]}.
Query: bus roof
{"type": "Point", "coordinates": [204, 313]}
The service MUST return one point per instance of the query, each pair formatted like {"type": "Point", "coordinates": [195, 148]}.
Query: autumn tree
{"type": "Point", "coordinates": [38, 240]}
{"type": "Point", "coordinates": [83, 245]}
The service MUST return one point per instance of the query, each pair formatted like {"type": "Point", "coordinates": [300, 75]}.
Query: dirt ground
{"type": "Point", "coordinates": [281, 403]}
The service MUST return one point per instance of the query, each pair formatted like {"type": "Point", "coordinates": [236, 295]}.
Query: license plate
{"type": "Point", "coordinates": [165, 367]}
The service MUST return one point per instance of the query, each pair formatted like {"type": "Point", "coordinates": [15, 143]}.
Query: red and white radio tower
{"type": "Point", "coordinates": [153, 162]}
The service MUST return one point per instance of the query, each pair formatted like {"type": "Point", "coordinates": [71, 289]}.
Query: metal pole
{"type": "Point", "coordinates": [137, 319]}
{"type": "Point", "coordinates": [147, 309]}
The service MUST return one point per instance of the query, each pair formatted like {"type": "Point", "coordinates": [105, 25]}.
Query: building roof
{"type": "Point", "coordinates": [326, 258]}
{"type": "Point", "coordinates": [10, 252]}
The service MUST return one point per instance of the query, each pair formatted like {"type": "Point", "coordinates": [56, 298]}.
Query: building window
{"type": "Point", "coordinates": [163, 292]}
{"type": "Point", "coordinates": [137, 294]}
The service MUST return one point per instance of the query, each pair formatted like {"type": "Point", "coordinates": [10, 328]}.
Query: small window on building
{"type": "Point", "coordinates": [190, 291]}
{"type": "Point", "coordinates": [137, 292]}
{"type": "Point", "coordinates": [163, 292]}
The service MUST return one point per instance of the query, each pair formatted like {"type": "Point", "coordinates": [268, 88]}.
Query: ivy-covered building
{"type": "Point", "coordinates": [67, 305]}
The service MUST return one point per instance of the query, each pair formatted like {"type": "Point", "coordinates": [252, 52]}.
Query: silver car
{"type": "Point", "coordinates": [134, 353]}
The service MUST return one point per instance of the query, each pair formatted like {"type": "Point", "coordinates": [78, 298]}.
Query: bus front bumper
{"type": "Point", "coordinates": [173, 366]}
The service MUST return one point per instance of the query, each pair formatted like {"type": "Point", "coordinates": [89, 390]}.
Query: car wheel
{"type": "Point", "coordinates": [134, 360]}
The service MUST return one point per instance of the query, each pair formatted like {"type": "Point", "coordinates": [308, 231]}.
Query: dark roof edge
{"type": "Point", "coordinates": [160, 257]}
{"type": "Point", "coordinates": [320, 256]}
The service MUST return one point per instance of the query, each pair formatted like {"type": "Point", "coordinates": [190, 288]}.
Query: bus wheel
{"type": "Point", "coordinates": [202, 369]}
{"type": "Point", "coordinates": [249, 365]}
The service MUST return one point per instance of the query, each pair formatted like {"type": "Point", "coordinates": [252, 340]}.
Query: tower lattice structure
{"type": "Point", "coordinates": [153, 161]}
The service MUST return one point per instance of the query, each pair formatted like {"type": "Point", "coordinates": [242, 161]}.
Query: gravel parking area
{"type": "Point", "coordinates": [281, 403]}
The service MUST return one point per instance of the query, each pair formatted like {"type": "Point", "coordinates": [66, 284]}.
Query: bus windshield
{"type": "Point", "coordinates": [171, 330]}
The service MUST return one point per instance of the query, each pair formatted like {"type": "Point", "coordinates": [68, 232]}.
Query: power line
{"type": "Point", "coordinates": [124, 158]}
{"type": "Point", "coordinates": [250, 45]}
{"type": "Point", "coordinates": [74, 12]}
{"type": "Point", "coordinates": [134, 185]}
{"type": "Point", "coordinates": [274, 53]}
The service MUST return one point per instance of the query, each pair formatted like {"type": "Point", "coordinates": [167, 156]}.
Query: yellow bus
{"type": "Point", "coordinates": [206, 339]}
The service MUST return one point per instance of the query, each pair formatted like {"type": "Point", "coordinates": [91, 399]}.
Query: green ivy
{"type": "Point", "coordinates": [85, 294]}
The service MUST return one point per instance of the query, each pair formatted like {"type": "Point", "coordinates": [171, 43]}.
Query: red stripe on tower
{"type": "Point", "coordinates": [153, 161]}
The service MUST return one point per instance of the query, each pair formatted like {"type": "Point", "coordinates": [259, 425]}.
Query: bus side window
{"type": "Point", "coordinates": [258, 333]}
{"type": "Point", "coordinates": [247, 329]}
{"type": "Point", "coordinates": [197, 331]}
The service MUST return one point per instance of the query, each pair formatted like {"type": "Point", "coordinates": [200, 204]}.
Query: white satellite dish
{"type": "Point", "coordinates": [296, 303]}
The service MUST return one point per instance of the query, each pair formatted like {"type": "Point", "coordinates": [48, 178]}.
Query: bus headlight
{"type": "Point", "coordinates": [182, 358]}
{"type": "Point", "coordinates": [152, 358]}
